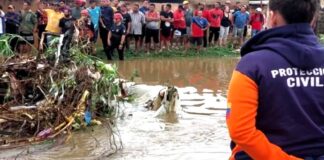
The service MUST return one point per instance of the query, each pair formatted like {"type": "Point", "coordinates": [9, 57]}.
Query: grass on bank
{"type": "Point", "coordinates": [209, 52]}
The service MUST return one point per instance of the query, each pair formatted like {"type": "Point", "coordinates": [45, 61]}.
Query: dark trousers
{"type": "Point", "coordinates": [214, 32]}
{"type": "Point", "coordinates": [67, 45]}
{"type": "Point", "coordinates": [104, 36]}
{"type": "Point", "coordinates": [205, 39]}
{"type": "Point", "coordinates": [115, 45]}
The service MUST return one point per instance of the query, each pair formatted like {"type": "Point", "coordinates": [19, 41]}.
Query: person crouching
{"type": "Point", "coordinates": [116, 37]}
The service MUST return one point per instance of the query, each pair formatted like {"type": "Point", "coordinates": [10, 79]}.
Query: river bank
{"type": "Point", "coordinates": [174, 53]}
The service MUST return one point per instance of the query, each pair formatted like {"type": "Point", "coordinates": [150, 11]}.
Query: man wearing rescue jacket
{"type": "Point", "coordinates": [276, 95]}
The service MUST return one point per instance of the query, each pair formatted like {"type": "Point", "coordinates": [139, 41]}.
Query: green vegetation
{"type": "Point", "coordinates": [321, 38]}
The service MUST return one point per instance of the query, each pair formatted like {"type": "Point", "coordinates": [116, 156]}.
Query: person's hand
{"type": "Point", "coordinates": [120, 46]}
{"type": "Point", "coordinates": [35, 30]}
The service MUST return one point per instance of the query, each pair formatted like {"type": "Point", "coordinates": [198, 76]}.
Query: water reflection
{"type": "Point", "coordinates": [211, 73]}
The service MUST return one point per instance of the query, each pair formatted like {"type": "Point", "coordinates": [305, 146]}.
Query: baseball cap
{"type": "Point", "coordinates": [185, 2]}
{"type": "Point", "coordinates": [259, 9]}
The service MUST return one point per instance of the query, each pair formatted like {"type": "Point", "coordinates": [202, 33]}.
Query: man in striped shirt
{"type": "Point", "coordinates": [138, 21]}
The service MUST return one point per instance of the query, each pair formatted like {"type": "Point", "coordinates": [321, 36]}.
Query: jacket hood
{"type": "Point", "coordinates": [297, 43]}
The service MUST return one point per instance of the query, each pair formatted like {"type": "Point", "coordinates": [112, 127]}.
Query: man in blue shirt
{"type": "Point", "coordinates": [106, 21]}
{"type": "Point", "coordinates": [241, 19]}
{"type": "Point", "coordinates": [94, 12]}
{"type": "Point", "coordinates": [144, 9]}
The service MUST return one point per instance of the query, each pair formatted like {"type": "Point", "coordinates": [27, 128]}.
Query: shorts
{"type": "Point", "coordinates": [152, 33]}
{"type": "Point", "coordinates": [224, 32]}
{"type": "Point", "coordinates": [27, 37]}
{"type": "Point", "coordinates": [196, 40]}
{"type": "Point", "coordinates": [238, 32]}
{"type": "Point", "coordinates": [136, 37]}
{"type": "Point", "coordinates": [166, 34]}
{"type": "Point", "coordinates": [183, 32]}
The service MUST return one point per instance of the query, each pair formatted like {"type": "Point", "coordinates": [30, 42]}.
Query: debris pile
{"type": "Point", "coordinates": [40, 100]}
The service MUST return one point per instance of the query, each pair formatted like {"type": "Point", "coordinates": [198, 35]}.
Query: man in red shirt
{"type": "Point", "coordinates": [215, 17]}
{"type": "Point", "coordinates": [179, 23]}
{"type": "Point", "coordinates": [152, 27]}
{"type": "Point", "coordinates": [198, 26]}
{"type": "Point", "coordinates": [205, 14]}
{"type": "Point", "coordinates": [257, 21]}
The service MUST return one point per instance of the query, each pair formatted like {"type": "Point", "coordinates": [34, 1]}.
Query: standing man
{"type": "Point", "coordinates": [180, 29]}
{"type": "Point", "coordinates": [257, 21]}
{"type": "Point", "coordinates": [76, 10]}
{"type": "Point", "coordinates": [144, 9]}
{"type": "Point", "coordinates": [52, 28]}
{"type": "Point", "coordinates": [188, 13]}
{"type": "Point", "coordinates": [2, 21]}
{"type": "Point", "coordinates": [115, 6]}
{"type": "Point", "coordinates": [199, 25]}
{"type": "Point", "coordinates": [41, 19]}
{"type": "Point", "coordinates": [12, 20]}
{"type": "Point", "coordinates": [215, 18]}
{"type": "Point", "coordinates": [67, 27]}
{"type": "Point", "coordinates": [127, 21]}
{"type": "Point", "coordinates": [27, 27]}
{"type": "Point", "coordinates": [205, 14]}
{"type": "Point", "coordinates": [94, 12]}
{"type": "Point", "coordinates": [116, 37]}
{"type": "Point", "coordinates": [106, 21]}
{"type": "Point", "coordinates": [166, 27]}
{"type": "Point", "coordinates": [138, 21]}
{"type": "Point", "coordinates": [280, 113]}
{"type": "Point", "coordinates": [241, 19]}
{"type": "Point", "coordinates": [152, 19]}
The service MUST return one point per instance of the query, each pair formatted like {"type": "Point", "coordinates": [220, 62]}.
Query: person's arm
{"type": "Point", "coordinates": [241, 121]}
{"type": "Point", "coordinates": [108, 38]}
{"type": "Point", "coordinates": [129, 25]}
{"type": "Point", "coordinates": [157, 17]}
{"type": "Point", "coordinates": [122, 41]}
{"type": "Point", "coordinates": [171, 19]}
{"type": "Point", "coordinates": [34, 21]}
{"type": "Point", "coordinates": [162, 17]}
{"type": "Point", "coordinates": [232, 18]}
{"type": "Point", "coordinates": [102, 22]}
{"type": "Point", "coordinates": [142, 19]}
{"type": "Point", "coordinates": [206, 26]}
{"type": "Point", "coordinates": [147, 18]}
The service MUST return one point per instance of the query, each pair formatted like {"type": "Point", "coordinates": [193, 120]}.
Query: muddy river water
{"type": "Point", "coordinates": [180, 136]}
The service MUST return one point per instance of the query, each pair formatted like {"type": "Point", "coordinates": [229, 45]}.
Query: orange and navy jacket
{"type": "Point", "coordinates": [276, 96]}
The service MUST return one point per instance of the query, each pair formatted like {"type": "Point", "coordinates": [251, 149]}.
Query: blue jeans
{"type": "Point", "coordinates": [254, 32]}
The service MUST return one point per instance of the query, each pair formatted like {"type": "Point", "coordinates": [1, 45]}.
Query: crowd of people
{"type": "Point", "coordinates": [119, 24]}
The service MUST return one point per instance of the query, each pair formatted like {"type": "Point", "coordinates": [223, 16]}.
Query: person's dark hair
{"type": "Point", "coordinates": [93, 1]}
{"type": "Point", "coordinates": [152, 4]}
{"type": "Point", "coordinates": [136, 4]}
{"type": "Point", "coordinates": [1, 8]}
{"type": "Point", "coordinates": [296, 11]}
{"type": "Point", "coordinates": [28, 3]}
{"type": "Point", "coordinates": [169, 5]}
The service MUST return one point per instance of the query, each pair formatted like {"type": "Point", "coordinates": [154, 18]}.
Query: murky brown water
{"type": "Point", "coordinates": [201, 73]}
{"type": "Point", "coordinates": [180, 136]}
